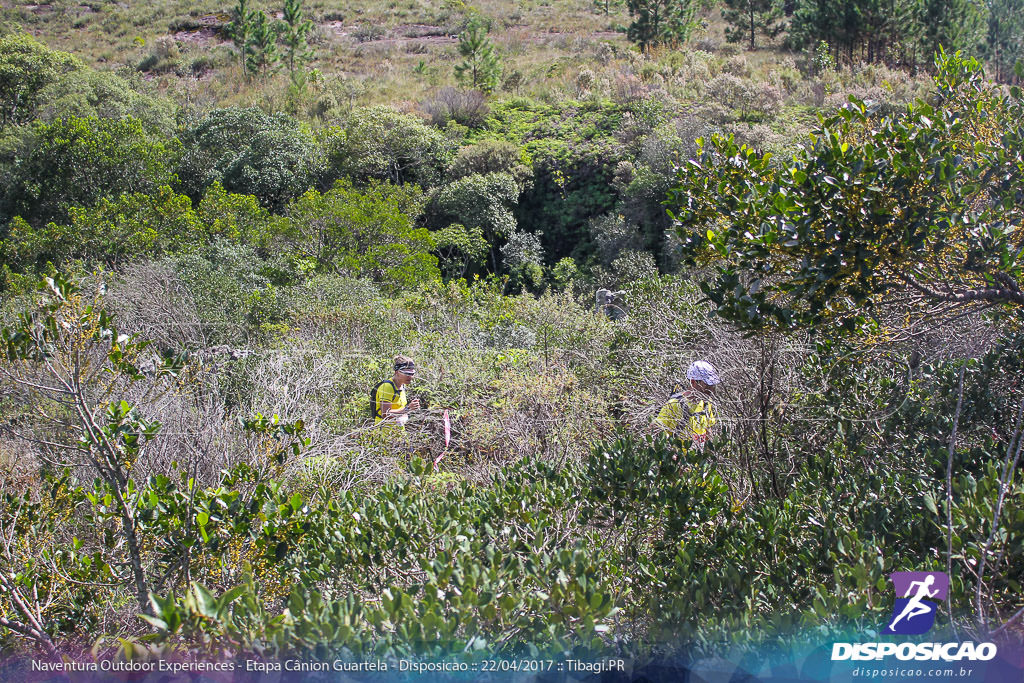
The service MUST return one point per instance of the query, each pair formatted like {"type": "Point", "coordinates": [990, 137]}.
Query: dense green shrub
{"type": "Point", "coordinates": [369, 233]}
{"type": "Point", "coordinates": [26, 68]}
{"type": "Point", "coordinates": [790, 257]}
{"type": "Point", "coordinates": [134, 226]}
{"type": "Point", "coordinates": [490, 156]}
{"type": "Point", "coordinates": [114, 231]}
{"type": "Point", "coordinates": [573, 152]}
{"type": "Point", "coordinates": [77, 161]}
{"type": "Point", "coordinates": [485, 202]}
{"type": "Point", "coordinates": [461, 249]}
{"type": "Point", "coordinates": [380, 143]}
{"type": "Point", "coordinates": [235, 293]}
{"type": "Point", "coordinates": [248, 151]}
{"type": "Point", "coordinates": [609, 542]}
{"type": "Point", "coordinates": [102, 94]}
{"type": "Point", "coordinates": [523, 257]}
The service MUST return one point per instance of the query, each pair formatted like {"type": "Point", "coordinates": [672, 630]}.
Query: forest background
{"type": "Point", "coordinates": [218, 224]}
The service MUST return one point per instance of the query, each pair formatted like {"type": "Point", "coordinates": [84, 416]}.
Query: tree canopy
{"type": "Point", "coordinates": [26, 67]}
{"type": "Point", "coordinates": [921, 208]}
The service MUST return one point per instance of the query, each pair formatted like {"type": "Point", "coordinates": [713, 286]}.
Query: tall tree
{"type": "Point", "coordinates": [261, 53]}
{"type": "Point", "coordinates": [860, 30]}
{"type": "Point", "coordinates": [26, 67]}
{"type": "Point", "coordinates": [749, 17]}
{"type": "Point", "coordinates": [953, 25]}
{"type": "Point", "coordinates": [1004, 44]}
{"type": "Point", "coordinates": [295, 30]}
{"type": "Point", "coordinates": [240, 29]}
{"type": "Point", "coordinates": [657, 22]}
{"type": "Point", "coordinates": [481, 66]}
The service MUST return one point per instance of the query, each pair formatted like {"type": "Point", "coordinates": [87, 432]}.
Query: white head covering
{"type": "Point", "coordinates": [704, 371]}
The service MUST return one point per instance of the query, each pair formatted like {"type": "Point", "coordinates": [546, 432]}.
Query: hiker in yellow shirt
{"type": "Point", "coordinates": [388, 399]}
{"type": "Point", "coordinates": [690, 412]}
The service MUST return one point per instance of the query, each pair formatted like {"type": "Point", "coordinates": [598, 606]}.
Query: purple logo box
{"type": "Point", "coordinates": [916, 594]}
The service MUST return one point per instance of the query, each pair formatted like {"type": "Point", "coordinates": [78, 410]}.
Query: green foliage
{"type": "Point", "coordinates": [462, 249]}
{"type": "Point", "coordinates": [261, 51]}
{"type": "Point", "coordinates": [953, 25]}
{"type": "Point", "coordinates": [234, 291]}
{"type": "Point", "coordinates": [77, 161]}
{"type": "Point", "coordinates": [295, 299]}
{"type": "Point", "coordinates": [897, 33]}
{"type": "Point", "coordinates": [555, 555]}
{"type": "Point", "coordinates": [249, 152]}
{"type": "Point", "coordinates": [849, 220]}
{"type": "Point", "coordinates": [36, 82]}
{"type": "Point", "coordinates": [605, 6]}
{"type": "Point", "coordinates": [240, 30]}
{"type": "Point", "coordinates": [114, 231]}
{"type": "Point", "coordinates": [26, 68]}
{"type": "Point", "coordinates": [129, 227]}
{"type": "Point", "coordinates": [490, 156]}
{"type": "Point", "coordinates": [380, 143]}
{"type": "Point", "coordinates": [479, 202]}
{"type": "Point", "coordinates": [573, 150]}
{"type": "Point", "coordinates": [363, 232]}
{"type": "Point", "coordinates": [660, 22]}
{"type": "Point", "coordinates": [85, 92]}
{"type": "Point", "coordinates": [480, 68]}
{"type": "Point", "coordinates": [294, 35]}
{"type": "Point", "coordinates": [236, 217]}
{"type": "Point", "coordinates": [1004, 46]}
{"type": "Point", "coordinates": [36, 567]}
{"type": "Point", "coordinates": [523, 257]}
{"type": "Point", "coordinates": [750, 17]}
{"type": "Point", "coordinates": [565, 275]}
{"type": "Point", "coordinates": [111, 433]}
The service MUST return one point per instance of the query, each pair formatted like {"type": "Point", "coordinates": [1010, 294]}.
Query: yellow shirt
{"type": "Point", "coordinates": [386, 394]}
{"type": "Point", "coordinates": [701, 414]}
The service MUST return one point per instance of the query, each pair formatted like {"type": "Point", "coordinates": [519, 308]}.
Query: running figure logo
{"type": "Point", "coordinates": [914, 611]}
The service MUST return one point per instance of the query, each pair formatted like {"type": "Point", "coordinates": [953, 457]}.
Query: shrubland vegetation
{"type": "Point", "coordinates": [210, 257]}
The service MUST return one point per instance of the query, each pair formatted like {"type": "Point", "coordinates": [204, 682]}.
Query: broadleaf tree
{"type": "Point", "coordinates": [920, 210]}
{"type": "Point", "coordinates": [26, 67]}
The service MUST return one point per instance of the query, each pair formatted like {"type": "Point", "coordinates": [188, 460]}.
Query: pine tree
{"type": "Point", "coordinates": [294, 32]}
{"type": "Point", "coordinates": [657, 22]}
{"type": "Point", "coordinates": [952, 24]}
{"type": "Point", "coordinates": [481, 66]}
{"type": "Point", "coordinates": [896, 35]}
{"type": "Point", "coordinates": [1004, 44]}
{"type": "Point", "coordinates": [867, 30]}
{"type": "Point", "coordinates": [605, 6]}
{"type": "Point", "coordinates": [261, 53]}
{"type": "Point", "coordinates": [749, 17]}
{"type": "Point", "coordinates": [240, 30]}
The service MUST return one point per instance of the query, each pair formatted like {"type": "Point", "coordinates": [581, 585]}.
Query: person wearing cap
{"type": "Point", "coordinates": [389, 400]}
{"type": "Point", "coordinates": [691, 409]}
